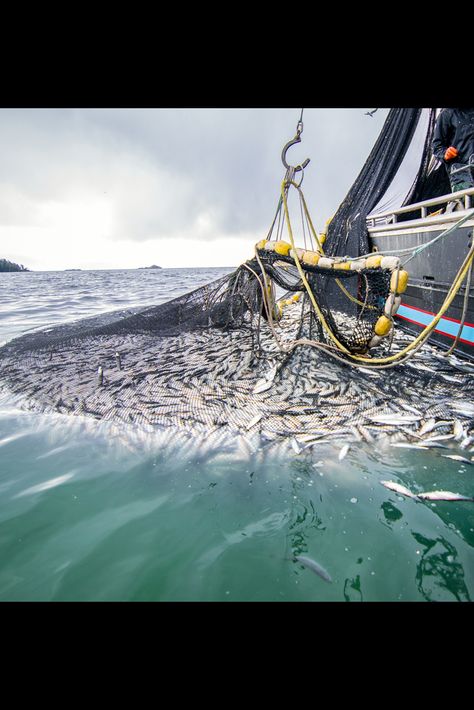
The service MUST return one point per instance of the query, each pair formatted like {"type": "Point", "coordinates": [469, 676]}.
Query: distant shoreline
{"type": "Point", "coordinates": [6, 266]}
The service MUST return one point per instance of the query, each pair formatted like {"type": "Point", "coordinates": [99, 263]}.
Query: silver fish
{"type": "Point", "coordinates": [270, 375]}
{"type": "Point", "coordinates": [411, 409]}
{"type": "Point", "coordinates": [314, 567]}
{"type": "Point", "coordinates": [405, 445]}
{"type": "Point", "coordinates": [444, 495]}
{"type": "Point", "coordinates": [343, 452]}
{"type": "Point", "coordinates": [296, 447]}
{"type": "Point", "coordinates": [393, 419]}
{"type": "Point", "coordinates": [261, 386]}
{"type": "Point", "coordinates": [456, 457]}
{"type": "Point", "coordinates": [254, 421]}
{"type": "Point", "coordinates": [463, 408]}
{"type": "Point", "coordinates": [466, 442]}
{"type": "Point", "coordinates": [439, 437]}
{"type": "Point", "coordinates": [458, 430]}
{"type": "Point", "coordinates": [419, 366]}
{"type": "Point", "coordinates": [448, 378]}
{"type": "Point", "coordinates": [427, 427]}
{"type": "Point", "coordinates": [393, 486]}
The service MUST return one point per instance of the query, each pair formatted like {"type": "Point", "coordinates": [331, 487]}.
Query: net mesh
{"type": "Point", "coordinates": [198, 358]}
{"type": "Point", "coordinates": [350, 301]}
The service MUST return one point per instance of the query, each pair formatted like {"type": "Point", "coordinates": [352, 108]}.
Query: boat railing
{"type": "Point", "coordinates": [389, 219]}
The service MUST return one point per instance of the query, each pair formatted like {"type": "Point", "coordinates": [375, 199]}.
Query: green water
{"type": "Point", "coordinates": [90, 511]}
{"type": "Point", "coordinates": [86, 514]}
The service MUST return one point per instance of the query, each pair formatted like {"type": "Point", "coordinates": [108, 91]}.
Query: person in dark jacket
{"type": "Point", "coordinates": [453, 145]}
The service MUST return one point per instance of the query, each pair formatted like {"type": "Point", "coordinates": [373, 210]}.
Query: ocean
{"type": "Point", "coordinates": [94, 511]}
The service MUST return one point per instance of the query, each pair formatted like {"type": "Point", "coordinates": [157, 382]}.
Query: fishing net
{"type": "Point", "coordinates": [343, 301]}
{"type": "Point", "coordinates": [233, 351]}
{"type": "Point", "coordinates": [346, 301]}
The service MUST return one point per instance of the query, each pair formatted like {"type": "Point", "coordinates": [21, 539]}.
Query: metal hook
{"type": "Point", "coordinates": [296, 139]}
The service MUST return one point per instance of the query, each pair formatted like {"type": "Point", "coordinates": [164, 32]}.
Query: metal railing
{"type": "Point", "coordinates": [389, 219]}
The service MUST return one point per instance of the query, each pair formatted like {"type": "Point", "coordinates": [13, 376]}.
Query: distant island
{"type": "Point", "coordinates": [154, 266]}
{"type": "Point", "coordinates": [72, 269]}
{"type": "Point", "coordinates": [6, 265]}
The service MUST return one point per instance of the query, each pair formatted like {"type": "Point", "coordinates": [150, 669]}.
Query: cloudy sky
{"type": "Point", "coordinates": [123, 188]}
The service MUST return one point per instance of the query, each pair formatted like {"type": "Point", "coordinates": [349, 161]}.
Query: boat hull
{"type": "Point", "coordinates": [431, 275]}
{"type": "Point", "coordinates": [419, 306]}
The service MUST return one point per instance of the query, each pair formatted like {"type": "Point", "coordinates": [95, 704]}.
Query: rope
{"type": "Point", "coordinates": [464, 312]}
{"type": "Point", "coordinates": [420, 339]}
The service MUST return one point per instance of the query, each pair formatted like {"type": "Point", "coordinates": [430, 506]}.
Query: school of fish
{"type": "Point", "coordinates": [213, 382]}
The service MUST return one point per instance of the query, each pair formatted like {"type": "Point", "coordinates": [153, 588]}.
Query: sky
{"type": "Point", "coordinates": [177, 187]}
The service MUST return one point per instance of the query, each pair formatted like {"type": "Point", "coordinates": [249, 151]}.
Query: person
{"type": "Point", "coordinates": [453, 145]}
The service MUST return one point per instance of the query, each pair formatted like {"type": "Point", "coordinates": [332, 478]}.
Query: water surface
{"type": "Point", "coordinates": [91, 510]}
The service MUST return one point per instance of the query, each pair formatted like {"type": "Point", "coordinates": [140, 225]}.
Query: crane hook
{"type": "Point", "coordinates": [296, 169]}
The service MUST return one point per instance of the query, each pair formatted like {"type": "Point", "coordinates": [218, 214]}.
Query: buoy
{"type": "Point", "coordinates": [392, 304]}
{"type": "Point", "coordinates": [311, 258]}
{"type": "Point", "coordinates": [383, 325]}
{"type": "Point", "coordinates": [344, 265]}
{"type": "Point", "coordinates": [325, 263]}
{"type": "Point", "coordinates": [282, 248]}
{"type": "Point", "coordinates": [373, 262]}
{"type": "Point", "coordinates": [390, 262]}
{"type": "Point", "coordinates": [400, 285]}
{"type": "Point", "coordinates": [357, 265]}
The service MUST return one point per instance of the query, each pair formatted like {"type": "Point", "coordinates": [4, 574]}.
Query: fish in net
{"type": "Point", "coordinates": [236, 354]}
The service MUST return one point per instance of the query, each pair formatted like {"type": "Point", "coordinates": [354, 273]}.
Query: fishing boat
{"type": "Point", "coordinates": [438, 231]}
{"type": "Point", "coordinates": [404, 199]}
{"type": "Point", "coordinates": [433, 270]}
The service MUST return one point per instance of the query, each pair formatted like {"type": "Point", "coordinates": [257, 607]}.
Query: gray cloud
{"type": "Point", "coordinates": [202, 173]}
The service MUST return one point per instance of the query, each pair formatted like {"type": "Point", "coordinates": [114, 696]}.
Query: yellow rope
{"type": "Point", "coordinates": [301, 272]}
{"type": "Point", "coordinates": [353, 298]}
{"type": "Point", "coordinates": [424, 333]}
{"type": "Point", "coordinates": [320, 247]}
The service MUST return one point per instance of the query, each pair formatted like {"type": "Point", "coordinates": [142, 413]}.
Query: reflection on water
{"type": "Point", "coordinates": [439, 571]}
{"type": "Point", "coordinates": [391, 512]}
{"type": "Point", "coordinates": [352, 590]}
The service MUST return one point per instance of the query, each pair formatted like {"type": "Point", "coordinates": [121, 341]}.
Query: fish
{"type": "Point", "coordinates": [296, 447]}
{"type": "Point", "coordinates": [427, 426]}
{"type": "Point", "coordinates": [343, 452]}
{"type": "Point", "coordinates": [466, 442]}
{"type": "Point", "coordinates": [254, 421]}
{"type": "Point", "coordinates": [456, 457]}
{"type": "Point", "coordinates": [448, 378]}
{"type": "Point", "coordinates": [424, 368]}
{"type": "Point", "coordinates": [439, 437]}
{"type": "Point", "coordinates": [393, 419]}
{"type": "Point", "coordinates": [464, 408]}
{"type": "Point", "coordinates": [314, 567]}
{"type": "Point", "coordinates": [270, 375]}
{"type": "Point", "coordinates": [444, 495]}
{"type": "Point", "coordinates": [458, 430]}
{"type": "Point", "coordinates": [398, 488]}
{"type": "Point", "coordinates": [261, 386]}
{"type": "Point", "coordinates": [406, 445]}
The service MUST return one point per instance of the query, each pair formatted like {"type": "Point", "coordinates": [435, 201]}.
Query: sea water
{"type": "Point", "coordinates": [96, 511]}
